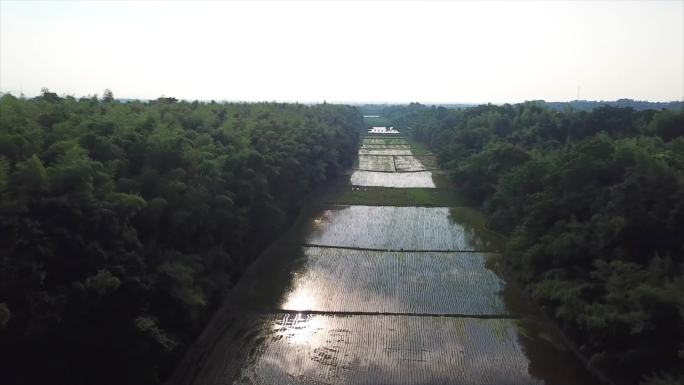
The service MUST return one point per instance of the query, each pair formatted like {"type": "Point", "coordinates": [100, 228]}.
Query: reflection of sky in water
{"type": "Point", "coordinates": [396, 350]}
{"type": "Point", "coordinates": [379, 227]}
{"type": "Point", "coordinates": [316, 349]}
{"type": "Point", "coordinates": [299, 299]}
{"type": "Point", "coordinates": [298, 328]}
{"type": "Point", "coordinates": [410, 282]}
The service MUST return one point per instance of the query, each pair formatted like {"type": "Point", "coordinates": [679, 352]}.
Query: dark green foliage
{"type": "Point", "coordinates": [593, 203]}
{"type": "Point", "coordinates": [588, 105]}
{"type": "Point", "coordinates": [122, 223]}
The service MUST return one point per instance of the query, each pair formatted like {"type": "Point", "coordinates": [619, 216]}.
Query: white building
{"type": "Point", "coordinates": [382, 130]}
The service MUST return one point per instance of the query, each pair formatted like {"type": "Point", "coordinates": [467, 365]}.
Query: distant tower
{"type": "Point", "coordinates": [578, 90]}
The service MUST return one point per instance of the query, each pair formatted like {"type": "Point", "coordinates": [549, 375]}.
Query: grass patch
{"type": "Point", "coordinates": [418, 149]}
{"type": "Point", "coordinates": [387, 196]}
{"type": "Point", "coordinates": [441, 181]}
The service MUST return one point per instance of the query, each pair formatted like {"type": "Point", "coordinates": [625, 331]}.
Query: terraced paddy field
{"type": "Point", "coordinates": [384, 290]}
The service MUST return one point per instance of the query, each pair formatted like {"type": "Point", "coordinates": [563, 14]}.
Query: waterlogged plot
{"type": "Point", "coordinates": [382, 141]}
{"type": "Point", "coordinates": [354, 350]}
{"type": "Point", "coordinates": [376, 163]}
{"type": "Point", "coordinates": [343, 280]}
{"type": "Point", "coordinates": [385, 146]}
{"type": "Point", "coordinates": [392, 228]}
{"type": "Point", "coordinates": [409, 163]}
{"type": "Point", "coordinates": [397, 180]}
{"type": "Point", "coordinates": [385, 151]}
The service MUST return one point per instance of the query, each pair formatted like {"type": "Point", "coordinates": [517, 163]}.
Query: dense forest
{"type": "Point", "coordinates": [593, 207]}
{"type": "Point", "coordinates": [121, 224]}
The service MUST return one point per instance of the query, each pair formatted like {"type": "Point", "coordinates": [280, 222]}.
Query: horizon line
{"type": "Point", "coordinates": [322, 101]}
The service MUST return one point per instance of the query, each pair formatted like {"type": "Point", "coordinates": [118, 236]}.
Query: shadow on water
{"type": "Point", "coordinates": [550, 359]}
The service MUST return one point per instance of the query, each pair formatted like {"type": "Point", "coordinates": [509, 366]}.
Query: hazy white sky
{"type": "Point", "coordinates": [346, 51]}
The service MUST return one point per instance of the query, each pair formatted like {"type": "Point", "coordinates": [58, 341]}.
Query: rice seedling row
{"type": "Point", "coordinates": [385, 146]}
{"type": "Point", "coordinates": [383, 141]}
{"type": "Point", "coordinates": [396, 180]}
{"type": "Point", "coordinates": [408, 163]}
{"type": "Point", "coordinates": [376, 163]}
{"type": "Point", "coordinates": [396, 228]}
{"type": "Point", "coordinates": [398, 171]}
{"type": "Point", "coordinates": [400, 250]}
{"type": "Point", "coordinates": [347, 280]}
{"type": "Point", "coordinates": [385, 151]}
{"type": "Point", "coordinates": [316, 349]}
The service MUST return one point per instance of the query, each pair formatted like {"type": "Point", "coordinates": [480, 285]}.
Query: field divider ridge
{"type": "Point", "coordinates": [397, 172]}
{"type": "Point", "coordinates": [401, 250]}
{"type": "Point", "coordinates": [396, 314]}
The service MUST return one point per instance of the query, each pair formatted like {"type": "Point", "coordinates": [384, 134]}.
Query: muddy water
{"type": "Point", "coordinates": [381, 295]}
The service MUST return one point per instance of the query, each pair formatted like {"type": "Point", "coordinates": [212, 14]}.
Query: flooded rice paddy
{"type": "Point", "coordinates": [368, 295]}
{"type": "Point", "coordinates": [315, 349]}
{"type": "Point", "coordinates": [377, 163]}
{"type": "Point", "coordinates": [385, 151]}
{"type": "Point", "coordinates": [392, 228]}
{"type": "Point", "coordinates": [392, 146]}
{"type": "Point", "coordinates": [383, 141]}
{"type": "Point", "coordinates": [392, 179]}
{"type": "Point", "coordinates": [395, 282]}
{"type": "Point", "coordinates": [391, 163]}
{"type": "Point", "coordinates": [409, 163]}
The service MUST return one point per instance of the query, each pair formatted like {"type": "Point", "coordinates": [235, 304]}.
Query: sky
{"type": "Point", "coordinates": [385, 51]}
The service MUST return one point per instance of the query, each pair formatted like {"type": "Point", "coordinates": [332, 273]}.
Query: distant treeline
{"type": "Point", "coordinates": [587, 105]}
{"type": "Point", "coordinates": [593, 204]}
{"type": "Point", "coordinates": [583, 105]}
{"type": "Point", "coordinates": [122, 223]}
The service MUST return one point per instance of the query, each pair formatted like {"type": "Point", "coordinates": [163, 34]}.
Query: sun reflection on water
{"type": "Point", "coordinates": [298, 300]}
{"type": "Point", "coordinates": [299, 329]}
